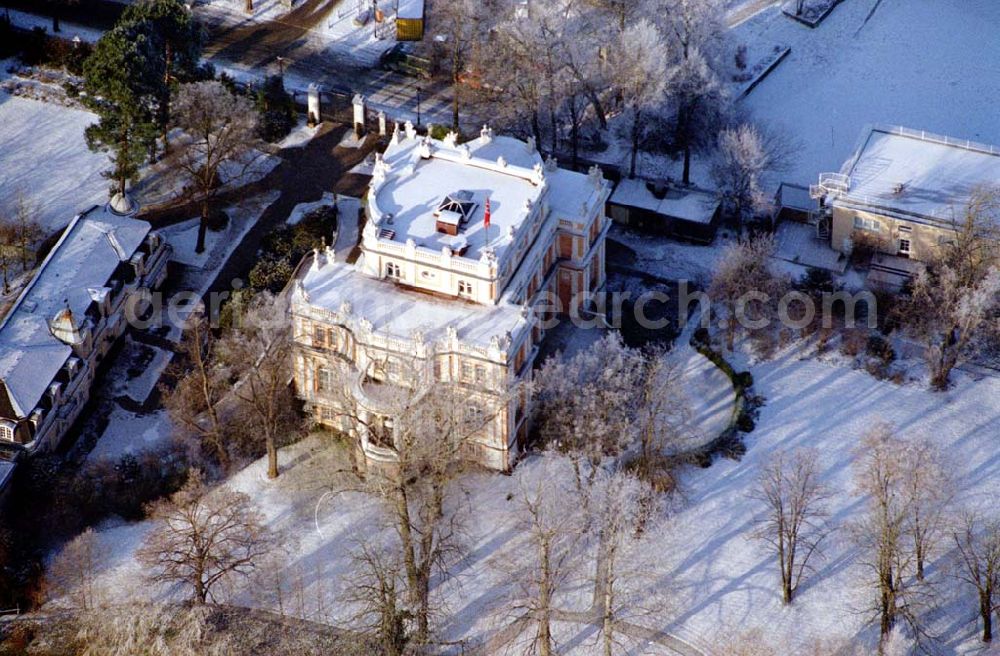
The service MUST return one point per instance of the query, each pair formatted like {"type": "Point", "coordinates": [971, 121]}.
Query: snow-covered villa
{"type": "Point", "coordinates": [459, 241]}
{"type": "Point", "coordinates": [905, 190]}
{"type": "Point", "coordinates": [67, 318]}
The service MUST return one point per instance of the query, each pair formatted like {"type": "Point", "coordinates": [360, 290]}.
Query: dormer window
{"type": "Point", "coordinates": [7, 430]}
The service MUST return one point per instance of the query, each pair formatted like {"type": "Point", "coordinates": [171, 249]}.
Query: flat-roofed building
{"type": "Point", "coordinates": [903, 191]}
{"type": "Point", "coordinates": [438, 285]}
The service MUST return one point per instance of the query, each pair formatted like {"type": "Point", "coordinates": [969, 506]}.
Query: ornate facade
{"type": "Point", "coordinates": [460, 243]}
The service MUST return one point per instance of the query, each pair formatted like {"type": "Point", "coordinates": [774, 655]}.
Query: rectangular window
{"type": "Point", "coordinates": [480, 373]}
{"type": "Point", "coordinates": [871, 225]}
{"type": "Point", "coordinates": [437, 370]}
{"type": "Point", "coordinates": [904, 246]}
{"type": "Point", "coordinates": [392, 271]}
{"type": "Point", "coordinates": [465, 372]}
{"type": "Point", "coordinates": [327, 414]}
{"type": "Point", "coordinates": [464, 288]}
{"type": "Point", "coordinates": [331, 338]}
{"type": "Point", "coordinates": [7, 432]}
{"type": "Point", "coordinates": [324, 380]}
{"type": "Point", "coordinates": [319, 336]}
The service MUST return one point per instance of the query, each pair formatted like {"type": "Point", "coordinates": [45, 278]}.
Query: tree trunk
{"type": "Point", "coordinates": [272, 457]}
{"type": "Point", "coordinates": [545, 603]}
{"type": "Point", "coordinates": [202, 228]}
{"type": "Point", "coordinates": [165, 105]}
{"type": "Point", "coordinates": [574, 132]}
{"type": "Point", "coordinates": [986, 611]}
{"type": "Point", "coordinates": [455, 83]}
{"type": "Point", "coordinates": [249, 6]}
{"type": "Point", "coordinates": [55, 20]}
{"type": "Point", "coordinates": [635, 143]}
{"type": "Point", "coordinates": [686, 179]}
{"type": "Point", "coordinates": [536, 129]}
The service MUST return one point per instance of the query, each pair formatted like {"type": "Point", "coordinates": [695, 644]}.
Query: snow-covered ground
{"type": "Point", "coordinates": [717, 581]}
{"type": "Point", "coordinates": [43, 153]}
{"type": "Point", "coordinates": [66, 30]}
{"type": "Point", "coordinates": [924, 65]}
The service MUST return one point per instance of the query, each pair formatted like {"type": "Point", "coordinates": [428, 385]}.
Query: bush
{"type": "Point", "coordinates": [817, 281]}
{"type": "Point", "coordinates": [270, 273]}
{"type": "Point", "coordinates": [277, 109]}
{"type": "Point", "coordinates": [878, 347]}
{"type": "Point", "coordinates": [217, 221]}
{"type": "Point", "coordinates": [743, 379]}
{"type": "Point", "coordinates": [439, 131]}
{"type": "Point", "coordinates": [853, 342]}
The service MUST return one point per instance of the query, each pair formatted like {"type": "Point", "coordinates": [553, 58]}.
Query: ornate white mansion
{"type": "Point", "coordinates": [460, 241]}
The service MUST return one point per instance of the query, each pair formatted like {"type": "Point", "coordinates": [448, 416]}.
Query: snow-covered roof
{"type": "Point", "coordinates": [77, 269]}
{"type": "Point", "coordinates": [917, 175]}
{"type": "Point", "coordinates": [691, 205]}
{"type": "Point", "coordinates": [410, 9]}
{"type": "Point", "coordinates": [421, 173]}
{"type": "Point", "coordinates": [396, 311]}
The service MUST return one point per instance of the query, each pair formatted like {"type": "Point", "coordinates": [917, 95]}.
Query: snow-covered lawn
{"type": "Point", "coordinates": [924, 65]}
{"type": "Point", "coordinates": [43, 153]}
{"type": "Point", "coordinates": [718, 581]}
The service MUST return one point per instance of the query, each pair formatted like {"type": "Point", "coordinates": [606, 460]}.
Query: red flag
{"type": "Point", "coordinates": [486, 219]}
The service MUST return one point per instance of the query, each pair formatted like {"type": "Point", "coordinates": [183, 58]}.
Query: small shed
{"type": "Point", "coordinates": [682, 212]}
{"type": "Point", "coordinates": [794, 203]}
{"type": "Point", "coordinates": [410, 20]}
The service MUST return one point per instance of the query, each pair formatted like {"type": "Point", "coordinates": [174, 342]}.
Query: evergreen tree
{"type": "Point", "coordinates": [122, 78]}
{"type": "Point", "coordinates": [179, 42]}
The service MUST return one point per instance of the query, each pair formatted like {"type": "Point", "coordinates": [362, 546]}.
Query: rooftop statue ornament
{"type": "Point", "coordinates": [486, 134]}
{"type": "Point", "coordinates": [365, 325]}
{"type": "Point", "coordinates": [451, 139]}
{"type": "Point", "coordinates": [530, 145]}
{"type": "Point", "coordinates": [411, 132]}
{"type": "Point", "coordinates": [465, 151]}
{"type": "Point", "coordinates": [596, 176]}
{"type": "Point", "coordinates": [538, 172]}
{"type": "Point", "coordinates": [345, 309]}
{"type": "Point", "coordinates": [551, 164]}
{"type": "Point", "coordinates": [502, 162]}
{"type": "Point", "coordinates": [395, 135]}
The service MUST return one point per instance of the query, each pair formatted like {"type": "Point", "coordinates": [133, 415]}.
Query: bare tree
{"type": "Point", "coordinates": [258, 349]}
{"type": "Point", "coordinates": [221, 131]}
{"type": "Point", "coordinates": [746, 286]}
{"type": "Point", "coordinates": [928, 487]}
{"type": "Point", "coordinates": [977, 541]}
{"type": "Point", "coordinates": [379, 589]}
{"type": "Point", "coordinates": [73, 573]}
{"type": "Point", "coordinates": [792, 523]}
{"type": "Point", "coordinates": [552, 523]}
{"type": "Point", "coordinates": [954, 300]}
{"type": "Point", "coordinates": [624, 506]}
{"type": "Point", "coordinates": [640, 65]}
{"type": "Point", "coordinates": [881, 530]}
{"type": "Point", "coordinates": [195, 399]}
{"type": "Point", "coordinates": [586, 405]}
{"type": "Point", "coordinates": [27, 231]}
{"type": "Point", "coordinates": [425, 429]}
{"type": "Point", "coordinates": [663, 421]}
{"type": "Point", "coordinates": [8, 251]}
{"type": "Point", "coordinates": [742, 158]}
{"type": "Point", "coordinates": [205, 537]}
{"type": "Point", "coordinates": [462, 24]}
